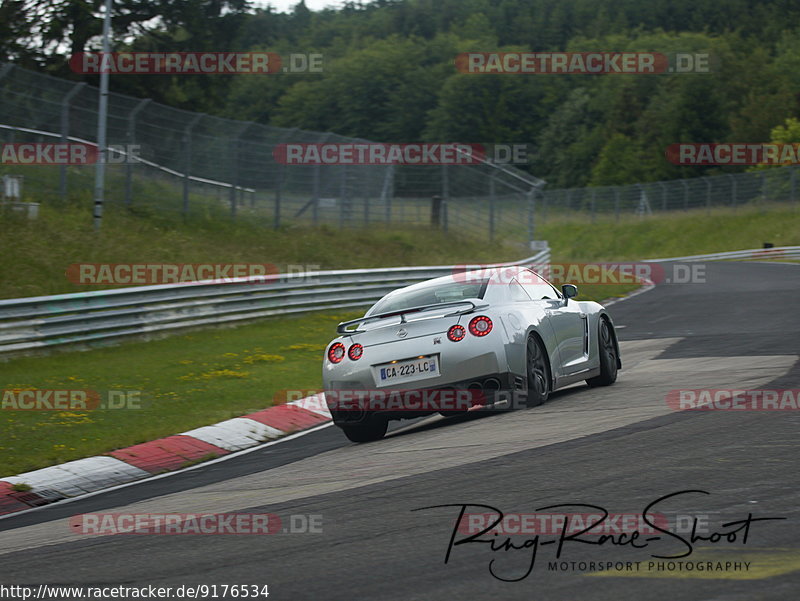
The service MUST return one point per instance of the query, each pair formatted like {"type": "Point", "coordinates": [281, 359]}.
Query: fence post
{"type": "Point", "coordinates": [187, 161]}
{"type": "Point", "coordinates": [733, 190]}
{"type": "Point", "coordinates": [708, 194]}
{"type": "Point", "coordinates": [491, 207]}
{"type": "Point", "coordinates": [594, 193]}
{"type": "Point", "coordinates": [616, 203]}
{"type": "Point", "coordinates": [663, 196]}
{"type": "Point", "coordinates": [343, 197]}
{"type": "Point", "coordinates": [234, 152]}
{"type": "Point", "coordinates": [763, 190]}
{"type": "Point", "coordinates": [65, 102]}
{"type": "Point", "coordinates": [685, 194]}
{"type": "Point", "coordinates": [531, 212]}
{"type": "Point", "coordinates": [315, 198]}
{"type": "Point", "coordinates": [793, 185]}
{"type": "Point", "coordinates": [131, 135]}
{"type": "Point", "coordinates": [281, 176]}
{"type": "Point", "coordinates": [388, 191]}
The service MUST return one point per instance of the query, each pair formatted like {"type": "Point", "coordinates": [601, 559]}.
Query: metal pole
{"type": "Point", "coordinates": [663, 196]}
{"type": "Point", "coordinates": [685, 195]}
{"type": "Point", "coordinates": [187, 160]}
{"type": "Point", "coordinates": [733, 190]}
{"type": "Point", "coordinates": [594, 191]}
{"type": "Point", "coordinates": [131, 135]}
{"type": "Point", "coordinates": [316, 181]}
{"type": "Point", "coordinates": [491, 207]}
{"type": "Point", "coordinates": [388, 191]}
{"type": "Point", "coordinates": [100, 167]}
{"type": "Point", "coordinates": [708, 194]}
{"type": "Point", "coordinates": [280, 179]}
{"type": "Point", "coordinates": [235, 167]}
{"type": "Point", "coordinates": [616, 203]}
{"type": "Point", "coordinates": [793, 185]}
{"type": "Point", "coordinates": [62, 185]}
{"type": "Point", "coordinates": [531, 210]}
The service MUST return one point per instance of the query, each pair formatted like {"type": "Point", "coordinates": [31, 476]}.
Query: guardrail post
{"type": "Point", "coordinates": [65, 103]}
{"type": "Point", "coordinates": [131, 136]}
{"type": "Point", "coordinates": [187, 160]}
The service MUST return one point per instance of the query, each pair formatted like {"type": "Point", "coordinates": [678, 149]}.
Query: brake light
{"type": "Point", "coordinates": [480, 326]}
{"type": "Point", "coordinates": [355, 352]}
{"type": "Point", "coordinates": [336, 353]}
{"type": "Point", "coordinates": [456, 333]}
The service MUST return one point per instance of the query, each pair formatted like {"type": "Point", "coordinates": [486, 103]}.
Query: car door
{"type": "Point", "coordinates": [569, 322]}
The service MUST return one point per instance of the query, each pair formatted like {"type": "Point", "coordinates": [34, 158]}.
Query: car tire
{"type": "Point", "coordinates": [371, 429]}
{"type": "Point", "coordinates": [538, 373]}
{"type": "Point", "coordinates": [608, 356]}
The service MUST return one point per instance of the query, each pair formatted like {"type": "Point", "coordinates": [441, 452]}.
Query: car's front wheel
{"type": "Point", "coordinates": [538, 373]}
{"type": "Point", "coordinates": [608, 357]}
{"type": "Point", "coordinates": [372, 428]}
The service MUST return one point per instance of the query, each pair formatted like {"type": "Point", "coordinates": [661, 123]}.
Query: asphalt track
{"type": "Point", "coordinates": [620, 448]}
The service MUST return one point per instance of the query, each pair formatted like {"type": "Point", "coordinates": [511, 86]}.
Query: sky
{"type": "Point", "coordinates": [286, 5]}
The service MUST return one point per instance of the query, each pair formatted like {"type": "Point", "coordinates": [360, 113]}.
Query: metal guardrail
{"type": "Point", "coordinates": [28, 324]}
{"type": "Point", "coordinates": [758, 254]}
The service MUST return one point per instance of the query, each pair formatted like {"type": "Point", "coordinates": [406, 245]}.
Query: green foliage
{"type": "Point", "coordinates": [389, 72]}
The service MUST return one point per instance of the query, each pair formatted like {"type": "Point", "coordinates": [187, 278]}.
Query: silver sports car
{"type": "Point", "coordinates": [494, 338]}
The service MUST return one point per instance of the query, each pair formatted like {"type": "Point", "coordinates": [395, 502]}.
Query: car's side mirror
{"type": "Point", "coordinates": [569, 291]}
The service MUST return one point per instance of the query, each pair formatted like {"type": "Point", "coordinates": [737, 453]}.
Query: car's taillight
{"type": "Point", "coordinates": [456, 333]}
{"type": "Point", "coordinates": [355, 352]}
{"type": "Point", "coordinates": [336, 353]}
{"type": "Point", "coordinates": [480, 326]}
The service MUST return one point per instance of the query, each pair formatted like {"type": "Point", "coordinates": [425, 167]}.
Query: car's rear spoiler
{"type": "Point", "coordinates": [473, 304]}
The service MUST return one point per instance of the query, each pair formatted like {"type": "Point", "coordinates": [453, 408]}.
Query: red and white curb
{"type": "Point", "coordinates": [84, 476]}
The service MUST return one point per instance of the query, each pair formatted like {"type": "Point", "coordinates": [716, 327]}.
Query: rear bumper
{"type": "Point", "coordinates": [348, 407]}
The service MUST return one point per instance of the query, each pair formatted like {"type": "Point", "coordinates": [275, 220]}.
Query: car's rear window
{"type": "Point", "coordinates": [432, 293]}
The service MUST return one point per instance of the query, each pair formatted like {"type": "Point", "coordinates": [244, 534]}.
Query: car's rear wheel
{"type": "Point", "coordinates": [538, 373]}
{"type": "Point", "coordinates": [608, 357]}
{"type": "Point", "coordinates": [372, 428]}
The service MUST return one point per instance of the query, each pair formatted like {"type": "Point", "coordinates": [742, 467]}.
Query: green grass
{"type": "Point", "coordinates": [672, 234]}
{"type": "Point", "coordinates": [201, 377]}
{"type": "Point", "coordinates": [185, 381]}
{"type": "Point", "coordinates": [34, 255]}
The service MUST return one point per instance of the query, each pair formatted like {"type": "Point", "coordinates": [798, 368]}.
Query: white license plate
{"type": "Point", "coordinates": [404, 371]}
